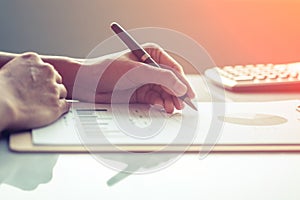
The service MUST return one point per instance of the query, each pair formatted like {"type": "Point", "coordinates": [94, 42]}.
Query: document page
{"type": "Point", "coordinates": [105, 125]}
{"type": "Point", "coordinates": [275, 122]}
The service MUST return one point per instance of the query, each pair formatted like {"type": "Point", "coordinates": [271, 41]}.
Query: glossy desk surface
{"type": "Point", "coordinates": [218, 176]}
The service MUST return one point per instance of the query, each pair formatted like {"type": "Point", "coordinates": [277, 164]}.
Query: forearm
{"type": "Point", "coordinates": [67, 67]}
{"type": "Point", "coordinates": [59, 62]}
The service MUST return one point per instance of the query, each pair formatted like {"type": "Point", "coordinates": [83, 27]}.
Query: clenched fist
{"type": "Point", "coordinates": [32, 93]}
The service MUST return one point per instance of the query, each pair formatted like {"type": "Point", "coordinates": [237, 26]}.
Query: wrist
{"type": "Point", "coordinates": [67, 67]}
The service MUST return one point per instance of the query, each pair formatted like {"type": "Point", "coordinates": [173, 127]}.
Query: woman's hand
{"type": "Point", "coordinates": [156, 86]}
{"type": "Point", "coordinates": [96, 80]}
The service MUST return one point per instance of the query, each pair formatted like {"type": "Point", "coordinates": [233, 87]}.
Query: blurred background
{"type": "Point", "coordinates": [232, 31]}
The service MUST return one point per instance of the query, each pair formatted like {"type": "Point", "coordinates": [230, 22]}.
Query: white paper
{"type": "Point", "coordinates": [242, 123]}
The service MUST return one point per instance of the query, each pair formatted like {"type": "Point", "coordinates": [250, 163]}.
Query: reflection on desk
{"type": "Point", "coordinates": [25, 170]}
{"type": "Point", "coordinates": [144, 162]}
{"type": "Point", "coordinates": [28, 170]}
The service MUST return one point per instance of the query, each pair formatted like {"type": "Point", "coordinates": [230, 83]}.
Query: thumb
{"type": "Point", "coordinates": [64, 106]}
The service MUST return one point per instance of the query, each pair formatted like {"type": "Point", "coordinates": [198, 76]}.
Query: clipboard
{"type": "Point", "coordinates": [22, 142]}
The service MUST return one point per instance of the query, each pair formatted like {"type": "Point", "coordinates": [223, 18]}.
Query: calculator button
{"type": "Point", "coordinates": [228, 68]}
{"type": "Point", "coordinates": [294, 74]}
{"type": "Point", "coordinates": [249, 66]}
{"type": "Point", "coordinates": [260, 65]}
{"type": "Point", "coordinates": [244, 78]}
{"type": "Point", "coordinates": [238, 67]}
{"type": "Point", "coordinates": [272, 76]}
{"type": "Point", "coordinates": [269, 65]}
{"type": "Point", "coordinates": [261, 77]}
{"type": "Point", "coordinates": [228, 76]}
{"type": "Point", "coordinates": [235, 73]}
{"type": "Point", "coordinates": [294, 66]}
{"type": "Point", "coordinates": [280, 67]}
{"type": "Point", "coordinates": [284, 75]}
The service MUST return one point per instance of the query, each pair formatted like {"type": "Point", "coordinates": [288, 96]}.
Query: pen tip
{"type": "Point", "coordinates": [190, 103]}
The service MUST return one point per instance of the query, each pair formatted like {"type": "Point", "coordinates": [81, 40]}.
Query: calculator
{"type": "Point", "coordinates": [258, 77]}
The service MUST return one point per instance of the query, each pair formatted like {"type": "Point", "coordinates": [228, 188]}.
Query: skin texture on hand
{"type": "Point", "coordinates": [156, 86]}
{"type": "Point", "coordinates": [33, 93]}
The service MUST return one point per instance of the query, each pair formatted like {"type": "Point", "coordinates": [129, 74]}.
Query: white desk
{"type": "Point", "coordinates": [218, 176]}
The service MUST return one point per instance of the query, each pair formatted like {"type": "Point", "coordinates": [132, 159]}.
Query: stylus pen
{"type": "Point", "coordinates": [141, 54]}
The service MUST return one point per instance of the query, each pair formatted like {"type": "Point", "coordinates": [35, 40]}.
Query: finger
{"type": "Point", "coordinates": [190, 91]}
{"type": "Point", "coordinates": [168, 102]}
{"type": "Point", "coordinates": [62, 91]}
{"type": "Point", "coordinates": [154, 98]}
{"type": "Point", "coordinates": [48, 71]}
{"type": "Point", "coordinates": [167, 62]}
{"type": "Point", "coordinates": [161, 89]}
{"type": "Point", "coordinates": [64, 106]}
{"type": "Point", "coordinates": [58, 77]}
{"type": "Point", "coordinates": [31, 56]}
{"type": "Point", "coordinates": [163, 77]}
{"type": "Point", "coordinates": [178, 103]}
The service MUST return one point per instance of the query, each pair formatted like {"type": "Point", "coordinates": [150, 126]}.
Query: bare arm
{"type": "Point", "coordinates": [156, 86]}
{"type": "Point", "coordinates": [159, 86]}
{"type": "Point", "coordinates": [65, 66]}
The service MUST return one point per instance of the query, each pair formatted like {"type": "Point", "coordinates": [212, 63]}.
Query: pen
{"type": "Point", "coordinates": [141, 54]}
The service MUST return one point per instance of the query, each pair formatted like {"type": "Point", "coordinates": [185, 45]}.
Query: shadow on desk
{"type": "Point", "coordinates": [139, 163]}
{"type": "Point", "coordinates": [24, 170]}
